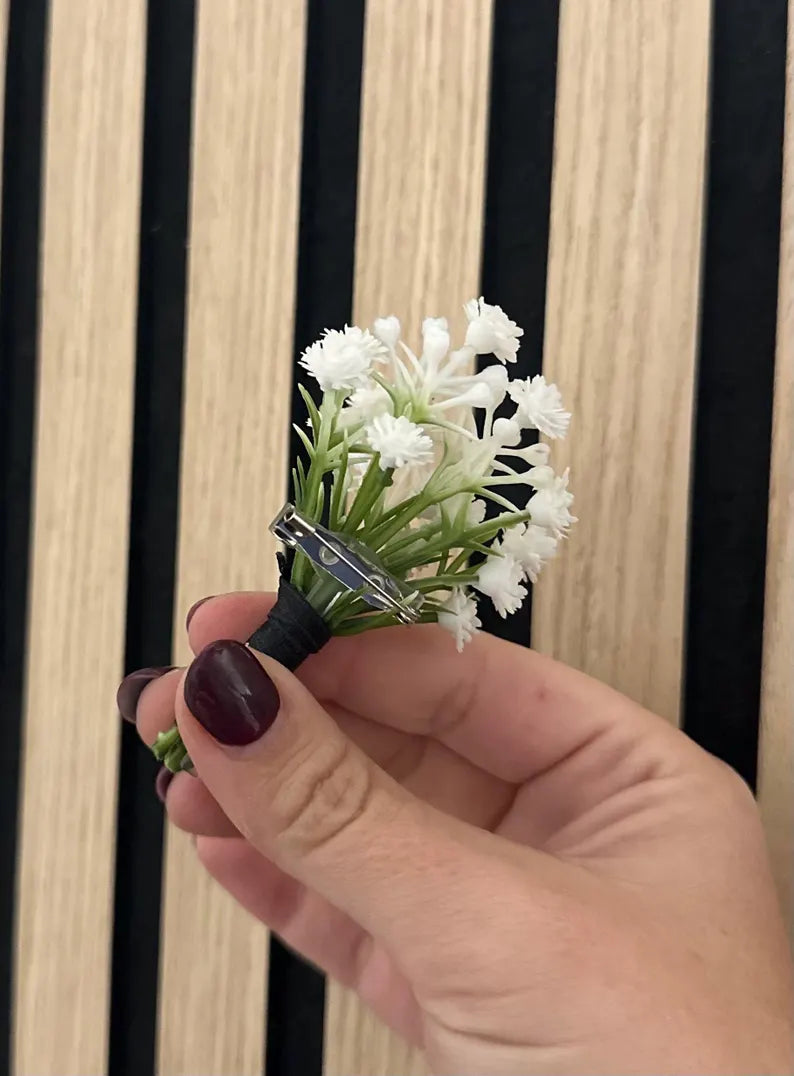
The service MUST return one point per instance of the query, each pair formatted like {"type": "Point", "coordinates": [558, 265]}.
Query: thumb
{"type": "Point", "coordinates": [311, 801]}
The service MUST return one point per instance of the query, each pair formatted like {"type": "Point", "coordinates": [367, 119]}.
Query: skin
{"type": "Point", "coordinates": [517, 868]}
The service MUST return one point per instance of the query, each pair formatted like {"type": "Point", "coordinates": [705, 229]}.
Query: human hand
{"type": "Point", "coordinates": [517, 868]}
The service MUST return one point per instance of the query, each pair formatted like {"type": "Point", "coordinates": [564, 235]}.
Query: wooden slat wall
{"type": "Point", "coordinates": [621, 320]}
{"type": "Point", "coordinates": [238, 376]}
{"type": "Point", "coordinates": [422, 160]}
{"type": "Point", "coordinates": [621, 340]}
{"type": "Point", "coordinates": [79, 558]}
{"type": "Point", "coordinates": [776, 758]}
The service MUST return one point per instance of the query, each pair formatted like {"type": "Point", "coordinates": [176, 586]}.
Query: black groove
{"type": "Point", "coordinates": [735, 381]}
{"type": "Point", "coordinates": [153, 518]}
{"type": "Point", "coordinates": [518, 197]}
{"type": "Point", "coordinates": [19, 276]}
{"type": "Point", "coordinates": [326, 250]}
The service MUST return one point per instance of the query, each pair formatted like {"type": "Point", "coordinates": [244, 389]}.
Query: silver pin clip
{"type": "Point", "coordinates": [349, 563]}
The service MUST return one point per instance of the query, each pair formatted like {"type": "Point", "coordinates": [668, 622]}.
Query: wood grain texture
{"type": "Point", "coordinates": [776, 756]}
{"type": "Point", "coordinates": [246, 150]}
{"type": "Point", "coordinates": [79, 549]}
{"type": "Point", "coordinates": [418, 240]}
{"type": "Point", "coordinates": [621, 319]}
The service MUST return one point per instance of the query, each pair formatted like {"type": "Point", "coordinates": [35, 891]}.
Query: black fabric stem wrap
{"type": "Point", "coordinates": [293, 631]}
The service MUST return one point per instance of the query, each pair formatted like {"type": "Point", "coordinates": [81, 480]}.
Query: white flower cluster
{"type": "Point", "coordinates": [416, 453]}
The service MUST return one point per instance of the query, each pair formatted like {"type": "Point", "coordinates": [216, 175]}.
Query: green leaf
{"type": "Point", "coordinates": [311, 407]}
{"type": "Point", "coordinates": [297, 488]}
{"type": "Point", "coordinates": [301, 473]}
{"type": "Point", "coordinates": [338, 494]}
{"type": "Point", "coordinates": [307, 444]}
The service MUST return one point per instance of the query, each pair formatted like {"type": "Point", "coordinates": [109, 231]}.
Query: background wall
{"type": "Point", "coordinates": [191, 192]}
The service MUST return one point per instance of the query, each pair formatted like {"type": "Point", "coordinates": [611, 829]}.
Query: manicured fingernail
{"type": "Point", "coordinates": [161, 783]}
{"type": "Point", "coordinates": [195, 608]}
{"type": "Point", "coordinates": [230, 694]}
{"type": "Point", "coordinates": [131, 687]}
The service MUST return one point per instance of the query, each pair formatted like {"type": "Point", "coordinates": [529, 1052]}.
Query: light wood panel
{"type": "Point", "coordinates": [621, 319]}
{"type": "Point", "coordinates": [418, 237]}
{"type": "Point", "coordinates": [79, 551]}
{"type": "Point", "coordinates": [776, 757]}
{"type": "Point", "coordinates": [243, 239]}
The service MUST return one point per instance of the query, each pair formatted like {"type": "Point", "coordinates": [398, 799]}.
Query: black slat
{"type": "Point", "coordinates": [19, 269]}
{"type": "Point", "coordinates": [326, 248]}
{"type": "Point", "coordinates": [518, 196]}
{"type": "Point", "coordinates": [735, 381]}
{"type": "Point", "coordinates": [153, 522]}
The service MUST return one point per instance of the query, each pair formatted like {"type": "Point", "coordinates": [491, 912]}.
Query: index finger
{"type": "Point", "coordinates": [508, 709]}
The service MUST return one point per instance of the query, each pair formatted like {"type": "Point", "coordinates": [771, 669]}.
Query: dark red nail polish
{"type": "Point", "coordinates": [161, 783]}
{"type": "Point", "coordinates": [230, 694]}
{"type": "Point", "coordinates": [131, 687]}
{"type": "Point", "coordinates": [194, 609]}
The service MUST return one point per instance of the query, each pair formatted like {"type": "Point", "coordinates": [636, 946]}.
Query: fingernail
{"type": "Point", "coordinates": [230, 694]}
{"type": "Point", "coordinates": [161, 783]}
{"type": "Point", "coordinates": [131, 687]}
{"type": "Point", "coordinates": [194, 609]}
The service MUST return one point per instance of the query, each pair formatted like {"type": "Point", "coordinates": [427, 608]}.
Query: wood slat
{"type": "Point", "coordinates": [79, 551]}
{"type": "Point", "coordinates": [776, 757]}
{"type": "Point", "coordinates": [621, 319]}
{"type": "Point", "coordinates": [418, 237]}
{"type": "Point", "coordinates": [243, 239]}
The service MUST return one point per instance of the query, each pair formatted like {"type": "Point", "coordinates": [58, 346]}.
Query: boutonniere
{"type": "Point", "coordinates": [421, 489]}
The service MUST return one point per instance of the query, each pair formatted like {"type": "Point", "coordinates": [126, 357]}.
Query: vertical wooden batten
{"type": "Point", "coordinates": [79, 546]}
{"type": "Point", "coordinates": [238, 373]}
{"type": "Point", "coordinates": [776, 754]}
{"type": "Point", "coordinates": [621, 320]}
{"type": "Point", "coordinates": [419, 229]}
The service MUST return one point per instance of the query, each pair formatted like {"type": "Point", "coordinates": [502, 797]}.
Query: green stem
{"type": "Point", "coordinates": [459, 561]}
{"type": "Point", "coordinates": [169, 749]}
{"type": "Point", "coordinates": [375, 482]}
{"type": "Point", "coordinates": [435, 582]}
{"type": "Point", "coordinates": [175, 757]}
{"type": "Point", "coordinates": [165, 742]}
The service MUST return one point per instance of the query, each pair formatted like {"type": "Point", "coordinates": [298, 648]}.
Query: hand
{"type": "Point", "coordinates": [517, 868]}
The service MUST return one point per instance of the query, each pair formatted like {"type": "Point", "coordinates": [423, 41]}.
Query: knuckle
{"type": "Point", "coordinates": [733, 789]}
{"type": "Point", "coordinates": [324, 793]}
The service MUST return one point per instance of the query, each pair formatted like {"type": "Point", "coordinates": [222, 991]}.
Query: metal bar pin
{"type": "Point", "coordinates": [349, 563]}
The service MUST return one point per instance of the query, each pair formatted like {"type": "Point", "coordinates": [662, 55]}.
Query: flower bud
{"type": "Point", "coordinates": [506, 432]}
{"type": "Point", "coordinates": [387, 330]}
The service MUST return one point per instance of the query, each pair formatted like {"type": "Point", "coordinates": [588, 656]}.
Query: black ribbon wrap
{"type": "Point", "coordinates": [293, 631]}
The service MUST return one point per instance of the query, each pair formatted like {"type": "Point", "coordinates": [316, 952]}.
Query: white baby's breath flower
{"type": "Point", "coordinates": [431, 514]}
{"type": "Point", "coordinates": [501, 579]}
{"type": "Point", "coordinates": [506, 432]}
{"type": "Point", "coordinates": [535, 455]}
{"type": "Point", "coordinates": [530, 545]}
{"type": "Point", "coordinates": [495, 377]}
{"type": "Point", "coordinates": [550, 507]}
{"type": "Point", "coordinates": [399, 441]}
{"type": "Point", "coordinates": [435, 341]}
{"type": "Point", "coordinates": [365, 403]}
{"type": "Point", "coordinates": [542, 477]}
{"type": "Point", "coordinates": [540, 406]}
{"type": "Point", "coordinates": [459, 616]}
{"type": "Point", "coordinates": [342, 359]}
{"type": "Point", "coordinates": [491, 331]}
{"type": "Point", "coordinates": [475, 513]}
{"type": "Point", "coordinates": [387, 331]}
{"type": "Point", "coordinates": [357, 467]}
